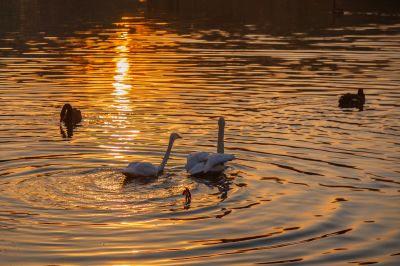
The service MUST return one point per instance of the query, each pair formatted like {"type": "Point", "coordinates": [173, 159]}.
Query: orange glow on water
{"type": "Point", "coordinates": [306, 174]}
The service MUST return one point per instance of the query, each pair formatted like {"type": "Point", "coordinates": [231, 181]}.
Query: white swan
{"type": "Point", "coordinates": [200, 163]}
{"type": "Point", "coordinates": [144, 169]}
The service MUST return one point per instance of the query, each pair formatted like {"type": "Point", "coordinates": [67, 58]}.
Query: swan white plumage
{"type": "Point", "coordinates": [145, 169]}
{"type": "Point", "coordinates": [205, 163]}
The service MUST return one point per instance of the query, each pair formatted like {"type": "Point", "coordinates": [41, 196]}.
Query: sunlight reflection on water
{"type": "Point", "coordinates": [312, 184]}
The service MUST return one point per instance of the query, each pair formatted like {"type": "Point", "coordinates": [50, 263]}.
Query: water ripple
{"type": "Point", "coordinates": [312, 183]}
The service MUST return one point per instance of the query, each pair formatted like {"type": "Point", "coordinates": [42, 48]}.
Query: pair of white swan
{"type": "Point", "coordinates": [198, 163]}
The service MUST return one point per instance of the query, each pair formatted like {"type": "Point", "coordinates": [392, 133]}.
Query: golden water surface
{"type": "Point", "coordinates": [312, 184]}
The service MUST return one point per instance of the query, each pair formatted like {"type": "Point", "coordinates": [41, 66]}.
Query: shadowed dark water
{"type": "Point", "coordinates": [312, 185]}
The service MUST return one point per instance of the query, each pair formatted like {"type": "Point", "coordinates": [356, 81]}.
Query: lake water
{"type": "Point", "coordinates": [312, 184]}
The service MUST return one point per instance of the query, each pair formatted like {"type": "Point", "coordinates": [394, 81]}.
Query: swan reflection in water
{"type": "Point", "coordinates": [222, 182]}
{"type": "Point", "coordinates": [129, 181]}
{"type": "Point", "coordinates": [68, 133]}
{"type": "Point", "coordinates": [152, 183]}
{"type": "Point", "coordinates": [187, 195]}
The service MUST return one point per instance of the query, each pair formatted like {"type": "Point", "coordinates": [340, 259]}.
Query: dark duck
{"type": "Point", "coordinates": [350, 100]}
{"type": "Point", "coordinates": [69, 115]}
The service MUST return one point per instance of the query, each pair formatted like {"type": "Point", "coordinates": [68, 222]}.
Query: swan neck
{"type": "Point", "coordinates": [166, 156]}
{"type": "Point", "coordinates": [66, 112]}
{"type": "Point", "coordinates": [220, 144]}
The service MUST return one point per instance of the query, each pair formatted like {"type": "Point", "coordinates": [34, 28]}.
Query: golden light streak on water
{"type": "Point", "coordinates": [311, 184]}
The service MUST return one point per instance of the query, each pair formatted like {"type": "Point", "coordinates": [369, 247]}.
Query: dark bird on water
{"type": "Point", "coordinates": [188, 195]}
{"type": "Point", "coordinates": [69, 115]}
{"type": "Point", "coordinates": [350, 100]}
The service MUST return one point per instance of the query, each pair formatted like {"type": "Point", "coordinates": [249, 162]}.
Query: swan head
{"type": "Point", "coordinates": [65, 112]}
{"type": "Point", "coordinates": [221, 121]}
{"type": "Point", "coordinates": [175, 136]}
